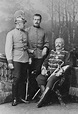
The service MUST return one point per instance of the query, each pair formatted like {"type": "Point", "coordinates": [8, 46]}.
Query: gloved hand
{"type": "Point", "coordinates": [44, 51]}
{"type": "Point", "coordinates": [10, 65]}
{"type": "Point", "coordinates": [31, 51]}
{"type": "Point", "coordinates": [44, 71]}
{"type": "Point", "coordinates": [30, 60]}
{"type": "Point", "coordinates": [60, 72]}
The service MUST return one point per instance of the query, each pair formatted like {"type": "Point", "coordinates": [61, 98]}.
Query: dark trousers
{"type": "Point", "coordinates": [19, 78]}
{"type": "Point", "coordinates": [36, 67]}
{"type": "Point", "coordinates": [42, 80]}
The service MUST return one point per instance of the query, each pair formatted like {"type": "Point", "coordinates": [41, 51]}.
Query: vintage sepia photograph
{"type": "Point", "coordinates": [38, 56]}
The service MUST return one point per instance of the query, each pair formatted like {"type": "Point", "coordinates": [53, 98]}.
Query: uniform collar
{"type": "Point", "coordinates": [36, 26]}
{"type": "Point", "coordinates": [58, 51]}
{"type": "Point", "coordinates": [19, 29]}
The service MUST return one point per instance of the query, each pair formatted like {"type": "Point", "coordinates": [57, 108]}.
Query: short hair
{"type": "Point", "coordinates": [38, 15]}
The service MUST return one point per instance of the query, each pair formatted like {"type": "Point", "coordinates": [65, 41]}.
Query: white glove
{"type": "Point", "coordinates": [31, 51]}
{"type": "Point", "coordinates": [59, 72]}
{"type": "Point", "coordinates": [30, 60]}
{"type": "Point", "coordinates": [10, 65]}
{"type": "Point", "coordinates": [62, 70]}
{"type": "Point", "coordinates": [44, 71]}
{"type": "Point", "coordinates": [44, 51]}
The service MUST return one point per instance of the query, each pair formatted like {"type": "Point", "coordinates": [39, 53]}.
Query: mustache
{"type": "Point", "coordinates": [36, 23]}
{"type": "Point", "coordinates": [57, 45]}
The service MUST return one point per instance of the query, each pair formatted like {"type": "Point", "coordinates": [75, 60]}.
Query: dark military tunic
{"type": "Point", "coordinates": [56, 58]}
{"type": "Point", "coordinates": [51, 63]}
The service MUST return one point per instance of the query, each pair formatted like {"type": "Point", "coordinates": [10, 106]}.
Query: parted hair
{"type": "Point", "coordinates": [38, 15]}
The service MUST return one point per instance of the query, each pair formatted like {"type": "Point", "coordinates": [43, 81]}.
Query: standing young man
{"type": "Point", "coordinates": [17, 56]}
{"type": "Point", "coordinates": [39, 45]}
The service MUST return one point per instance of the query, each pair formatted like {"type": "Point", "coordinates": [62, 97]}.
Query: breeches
{"type": "Point", "coordinates": [19, 77]}
{"type": "Point", "coordinates": [42, 80]}
{"type": "Point", "coordinates": [19, 72]}
{"type": "Point", "coordinates": [36, 65]}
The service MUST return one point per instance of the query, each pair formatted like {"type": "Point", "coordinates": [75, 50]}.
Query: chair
{"type": "Point", "coordinates": [61, 89]}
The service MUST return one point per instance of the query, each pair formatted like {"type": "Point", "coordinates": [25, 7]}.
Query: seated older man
{"type": "Point", "coordinates": [52, 69]}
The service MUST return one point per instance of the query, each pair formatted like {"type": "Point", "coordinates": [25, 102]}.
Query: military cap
{"type": "Point", "coordinates": [19, 15]}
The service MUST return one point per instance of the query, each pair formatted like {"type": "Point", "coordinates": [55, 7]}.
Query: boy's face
{"type": "Point", "coordinates": [59, 44]}
{"type": "Point", "coordinates": [36, 21]}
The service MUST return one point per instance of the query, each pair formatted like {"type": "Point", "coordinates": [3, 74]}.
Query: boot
{"type": "Point", "coordinates": [43, 97]}
{"type": "Point", "coordinates": [42, 88]}
{"type": "Point", "coordinates": [14, 95]}
{"type": "Point", "coordinates": [14, 102]}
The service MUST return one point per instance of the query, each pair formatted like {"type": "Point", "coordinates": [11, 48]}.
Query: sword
{"type": "Point", "coordinates": [27, 83]}
{"type": "Point", "coordinates": [48, 79]}
{"type": "Point", "coordinates": [55, 71]}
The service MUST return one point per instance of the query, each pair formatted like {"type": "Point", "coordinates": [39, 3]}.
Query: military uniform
{"type": "Point", "coordinates": [38, 40]}
{"type": "Point", "coordinates": [55, 73]}
{"type": "Point", "coordinates": [16, 46]}
{"type": "Point", "coordinates": [51, 63]}
{"type": "Point", "coordinates": [16, 53]}
{"type": "Point", "coordinates": [54, 59]}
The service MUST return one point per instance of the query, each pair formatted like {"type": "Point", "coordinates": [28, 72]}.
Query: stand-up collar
{"type": "Point", "coordinates": [20, 29]}
{"type": "Point", "coordinates": [58, 51]}
{"type": "Point", "coordinates": [36, 26]}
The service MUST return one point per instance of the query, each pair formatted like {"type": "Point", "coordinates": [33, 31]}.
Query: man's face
{"type": "Point", "coordinates": [20, 25]}
{"type": "Point", "coordinates": [36, 21]}
{"type": "Point", "coordinates": [59, 44]}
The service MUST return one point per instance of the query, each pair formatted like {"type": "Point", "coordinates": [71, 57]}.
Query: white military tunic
{"type": "Point", "coordinates": [16, 46]}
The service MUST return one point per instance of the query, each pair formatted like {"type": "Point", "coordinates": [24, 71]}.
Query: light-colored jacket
{"type": "Point", "coordinates": [37, 40]}
{"type": "Point", "coordinates": [16, 46]}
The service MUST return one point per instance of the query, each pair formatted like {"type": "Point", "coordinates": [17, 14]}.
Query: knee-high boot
{"type": "Point", "coordinates": [43, 97]}
{"type": "Point", "coordinates": [42, 88]}
{"type": "Point", "coordinates": [14, 92]}
{"type": "Point", "coordinates": [14, 95]}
